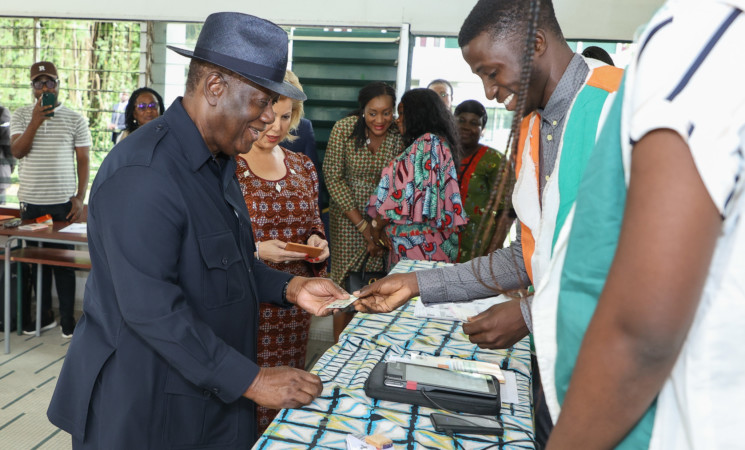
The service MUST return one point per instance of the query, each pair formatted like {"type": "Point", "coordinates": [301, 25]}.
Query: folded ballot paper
{"type": "Point", "coordinates": [456, 311]}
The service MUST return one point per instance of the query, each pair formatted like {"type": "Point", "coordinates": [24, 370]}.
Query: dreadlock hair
{"type": "Point", "coordinates": [367, 93]}
{"type": "Point", "coordinates": [424, 113]}
{"type": "Point", "coordinates": [507, 19]}
{"type": "Point", "coordinates": [473, 107]}
{"type": "Point", "coordinates": [129, 111]}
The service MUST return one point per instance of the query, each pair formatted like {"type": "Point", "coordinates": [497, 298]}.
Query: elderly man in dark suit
{"type": "Point", "coordinates": [164, 354]}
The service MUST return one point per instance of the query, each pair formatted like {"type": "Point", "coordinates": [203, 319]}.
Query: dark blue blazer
{"type": "Point", "coordinates": [167, 342]}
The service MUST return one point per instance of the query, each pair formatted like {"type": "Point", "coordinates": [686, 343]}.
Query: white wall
{"type": "Point", "coordinates": [580, 19]}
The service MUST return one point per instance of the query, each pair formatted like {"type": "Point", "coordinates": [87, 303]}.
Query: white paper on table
{"type": "Point", "coordinates": [508, 389]}
{"type": "Point", "coordinates": [75, 228]}
{"type": "Point", "coordinates": [456, 311]}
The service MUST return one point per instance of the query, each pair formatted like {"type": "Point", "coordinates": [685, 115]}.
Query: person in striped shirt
{"type": "Point", "coordinates": [51, 143]}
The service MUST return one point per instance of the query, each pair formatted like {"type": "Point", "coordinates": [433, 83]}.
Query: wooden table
{"type": "Point", "coordinates": [50, 235]}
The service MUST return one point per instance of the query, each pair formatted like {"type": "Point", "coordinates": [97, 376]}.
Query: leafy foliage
{"type": "Point", "coordinates": [95, 60]}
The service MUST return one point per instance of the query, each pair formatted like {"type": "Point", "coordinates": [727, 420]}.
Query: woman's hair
{"type": "Point", "coordinates": [518, 20]}
{"type": "Point", "coordinates": [129, 112]}
{"type": "Point", "coordinates": [367, 93]}
{"type": "Point", "coordinates": [424, 112]}
{"type": "Point", "coordinates": [297, 106]}
{"type": "Point", "coordinates": [473, 107]}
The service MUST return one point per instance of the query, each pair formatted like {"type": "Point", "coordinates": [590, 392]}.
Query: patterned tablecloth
{"type": "Point", "coordinates": [344, 408]}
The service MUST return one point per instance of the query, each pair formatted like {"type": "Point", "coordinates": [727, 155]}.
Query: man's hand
{"type": "Point", "coordinates": [387, 294]}
{"type": "Point", "coordinates": [76, 210]}
{"type": "Point", "coordinates": [284, 387]}
{"type": "Point", "coordinates": [39, 113]}
{"type": "Point", "coordinates": [500, 326]}
{"type": "Point", "coordinates": [313, 294]}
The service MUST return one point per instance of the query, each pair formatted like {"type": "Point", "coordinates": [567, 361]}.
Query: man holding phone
{"type": "Point", "coordinates": [48, 139]}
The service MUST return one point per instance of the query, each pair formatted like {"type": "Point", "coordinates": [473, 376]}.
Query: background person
{"type": "Point", "coordinates": [417, 211]}
{"type": "Point", "coordinates": [118, 114]}
{"type": "Point", "coordinates": [52, 152]}
{"type": "Point", "coordinates": [598, 53]}
{"type": "Point", "coordinates": [444, 89]}
{"type": "Point", "coordinates": [165, 355]}
{"type": "Point", "coordinates": [477, 175]}
{"type": "Point", "coordinates": [144, 105]}
{"type": "Point", "coordinates": [281, 191]}
{"type": "Point", "coordinates": [360, 145]}
{"type": "Point", "coordinates": [7, 161]}
{"type": "Point", "coordinates": [492, 41]}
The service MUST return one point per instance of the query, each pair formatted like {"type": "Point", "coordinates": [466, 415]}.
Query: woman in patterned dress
{"type": "Point", "coordinates": [417, 210]}
{"type": "Point", "coordinates": [477, 174]}
{"type": "Point", "coordinates": [281, 191]}
{"type": "Point", "coordinates": [360, 145]}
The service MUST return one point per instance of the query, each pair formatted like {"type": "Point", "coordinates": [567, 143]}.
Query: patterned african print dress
{"type": "Point", "coordinates": [284, 209]}
{"type": "Point", "coordinates": [477, 176]}
{"type": "Point", "coordinates": [352, 174]}
{"type": "Point", "coordinates": [418, 192]}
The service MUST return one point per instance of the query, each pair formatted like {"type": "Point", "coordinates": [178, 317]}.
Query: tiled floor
{"type": "Point", "coordinates": [27, 379]}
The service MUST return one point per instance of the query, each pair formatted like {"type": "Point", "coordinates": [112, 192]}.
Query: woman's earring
{"type": "Point", "coordinates": [363, 115]}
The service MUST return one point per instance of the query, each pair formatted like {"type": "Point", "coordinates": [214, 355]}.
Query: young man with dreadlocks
{"type": "Point", "coordinates": [518, 50]}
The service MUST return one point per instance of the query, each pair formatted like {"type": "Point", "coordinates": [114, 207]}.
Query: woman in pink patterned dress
{"type": "Point", "coordinates": [281, 191]}
{"type": "Point", "coordinates": [417, 210]}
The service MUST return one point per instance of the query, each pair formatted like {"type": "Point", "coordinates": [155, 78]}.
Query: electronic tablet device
{"type": "Point", "coordinates": [309, 250]}
{"type": "Point", "coordinates": [449, 424]}
{"type": "Point", "coordinates": [412, 376]}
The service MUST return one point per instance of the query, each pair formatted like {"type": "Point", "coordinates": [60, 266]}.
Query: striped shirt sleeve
{"type": "Point", "coordinates": [680, 85]}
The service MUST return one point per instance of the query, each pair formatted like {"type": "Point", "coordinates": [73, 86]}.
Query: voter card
{"type": "Point", "coordinates": [341, 304]}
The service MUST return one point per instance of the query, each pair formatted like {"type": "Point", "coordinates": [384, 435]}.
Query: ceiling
{"type": "Point", "coordinates": [580, 19]}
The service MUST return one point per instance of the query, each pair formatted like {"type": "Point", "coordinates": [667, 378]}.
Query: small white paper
{"type": "Point", "coordinates": [75, 228]}
{"type": "Point", "coordinates": [508, 389]}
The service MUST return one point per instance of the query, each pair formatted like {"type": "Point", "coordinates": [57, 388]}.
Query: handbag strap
{"type": "Point", "coordinates": [363, 268]}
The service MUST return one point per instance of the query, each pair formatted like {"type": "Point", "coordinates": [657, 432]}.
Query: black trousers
{"type": "Point", "coordinates": [542, 417]}
{"type": "Point", "coordinates": [64, 276]}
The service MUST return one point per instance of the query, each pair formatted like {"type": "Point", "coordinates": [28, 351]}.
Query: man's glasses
{"type": "Point", "coordinates": [144, 106]}
{"type": "Point", "coordinates": [50, 84]}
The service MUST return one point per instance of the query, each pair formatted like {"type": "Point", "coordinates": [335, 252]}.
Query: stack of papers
{"type": "Point", "coordinates": [456, 311]}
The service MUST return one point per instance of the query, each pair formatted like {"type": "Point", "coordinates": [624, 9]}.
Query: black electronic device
{"type": "Point", "coordinates": [48, 98]}
{"type": "Point", "coordinates": [449, 424]}
{"type": "Point", "coordinates": [425, 378]}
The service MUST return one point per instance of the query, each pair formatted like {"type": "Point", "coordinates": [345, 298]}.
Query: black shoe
{"type": "Point", "coordinates": [68, 326]}
{"type": "Point", "coordinates": [47, 323]}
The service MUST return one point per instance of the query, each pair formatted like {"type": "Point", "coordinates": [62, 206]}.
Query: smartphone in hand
{"type": "Point", "coordinates": [48, 98]}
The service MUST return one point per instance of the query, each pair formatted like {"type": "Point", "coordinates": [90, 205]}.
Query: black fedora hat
{"type": "Point", "coordinates": [252, 47]}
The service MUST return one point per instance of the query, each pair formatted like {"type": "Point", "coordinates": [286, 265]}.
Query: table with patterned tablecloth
{"type": "Point", "coordinates": [343, 407]}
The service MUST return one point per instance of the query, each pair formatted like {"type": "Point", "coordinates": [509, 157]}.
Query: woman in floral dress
{"type": "Point", "coordinates": [281, 191]}
{"type": "Point", "coordinates": [417, 210]}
